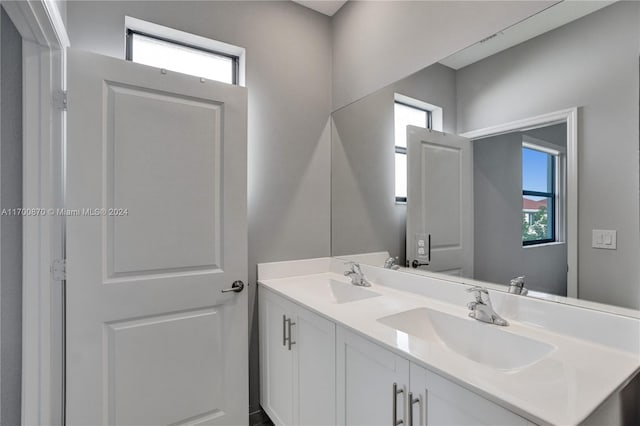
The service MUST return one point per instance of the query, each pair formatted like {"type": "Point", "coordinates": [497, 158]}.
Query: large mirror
{"type": "Point", "coordinates": [517, 156]}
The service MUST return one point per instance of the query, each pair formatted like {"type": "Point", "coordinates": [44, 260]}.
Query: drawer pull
{"type": "Point", "coordinates": [396, 391]}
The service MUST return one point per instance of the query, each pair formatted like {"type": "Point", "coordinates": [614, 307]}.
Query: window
{"type": "Point", "coordinates": [539, 195]}
{"type": "Point", "coordinates": [405, 115]}
{"type": "Point", "coordinates": [163, 47]}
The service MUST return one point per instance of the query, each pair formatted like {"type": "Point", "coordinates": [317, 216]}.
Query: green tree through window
{"type": "Point", "coordinates": [535, 226]}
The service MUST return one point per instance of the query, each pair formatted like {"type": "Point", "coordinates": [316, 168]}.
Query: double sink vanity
{"type": "Point", "coordinates": [386, 347]}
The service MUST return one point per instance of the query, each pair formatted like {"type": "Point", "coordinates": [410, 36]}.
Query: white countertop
{"type": "Point", "coordinates": [563, 388]}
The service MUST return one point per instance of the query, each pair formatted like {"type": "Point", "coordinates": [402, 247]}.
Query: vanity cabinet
{"type": "Point", "coordinates": [366, 376]}
{"type": "Point", "coordinates": [316, 373]}
{"type": "Point", "coordinates": [297, 363]}
{"type": "Point", "coordinates": [367, 396]}
{"type": "Point", "coordinates": [438, 401]}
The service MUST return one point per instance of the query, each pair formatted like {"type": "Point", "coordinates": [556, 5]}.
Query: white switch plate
{"type": "Point", "coordinates": [604, 239]}
{"type": "Point", "coordinates": [421, 246]}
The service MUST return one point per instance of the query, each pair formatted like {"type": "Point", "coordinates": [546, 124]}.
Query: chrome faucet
{"type": "Point", "coordinates": [356, 275]}
{"type": "Point", "coordinates": [481, 308]}
{"type": "Point", "coordinates": [517, 286]}
{"type": "Point", "coordinates": [392, 263]}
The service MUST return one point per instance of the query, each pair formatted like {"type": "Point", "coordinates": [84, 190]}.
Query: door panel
{"type": "Point", "coordinates": [144, 355]}
{"type": "Point", "coordinates": [151, 339]}
{"type": "Point", "coordinates": [439, 188]}
{"type": "Point", "coordinates": [182, 171]}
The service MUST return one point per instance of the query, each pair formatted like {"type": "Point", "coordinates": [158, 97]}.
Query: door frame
{"type": "Point", "coordinates": [570, 117]}
{"type": "Point", "coordinates": [44, 40]}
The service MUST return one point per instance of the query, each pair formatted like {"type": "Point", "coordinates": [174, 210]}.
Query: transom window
{"type": "Point", "coordinates": [179, 57]}
{"type": "Point", "coordinates": [163, 47]}
{"type": "Point", "coordinates": [405, 115]}
{"type": "Point", "coordinates": [539, 195]}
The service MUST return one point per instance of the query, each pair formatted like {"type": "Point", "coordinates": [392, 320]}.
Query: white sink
{"type": "Point", "coordinates": [340, 292]}
{"type": "Point", "coordinates": [480, 342]}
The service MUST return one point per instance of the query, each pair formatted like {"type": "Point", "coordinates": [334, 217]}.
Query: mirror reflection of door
{"type": "Point", "coordinates": [439, 223]}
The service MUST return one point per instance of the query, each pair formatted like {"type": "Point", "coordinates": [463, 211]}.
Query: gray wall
{"type": "Point", "coordinates": [288, 75]}
{"type": "Point", "coordinates": [376, 43]}
{"type": "Point", "coordinates": [591, 63]}
{"type": "Point", "coordinates": [497, 188]}
{"type": "Point", "coordinates": [364, 215]}
{"type": "Point", "coordinates": [10, 226]}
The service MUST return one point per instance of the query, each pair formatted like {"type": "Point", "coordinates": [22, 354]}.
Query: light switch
{"type": "Point", "coordinates": [604, 239]}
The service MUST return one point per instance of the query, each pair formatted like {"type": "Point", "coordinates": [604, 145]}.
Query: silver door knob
{"type": "Point", "coordinates": [416, 263]}
{"type": "Point", "coordinates": [236, 287]}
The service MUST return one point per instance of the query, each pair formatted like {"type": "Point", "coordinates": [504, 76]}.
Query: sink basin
{"type": "Point", "coordinates": [340, 292]}
{"type": "Point", "coordinates": [480, 342]}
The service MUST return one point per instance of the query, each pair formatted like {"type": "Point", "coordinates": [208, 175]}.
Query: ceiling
{"type": "Point", "coordinates": [547, 20]}
{"type": "Point", "coordinates": [327, 7]}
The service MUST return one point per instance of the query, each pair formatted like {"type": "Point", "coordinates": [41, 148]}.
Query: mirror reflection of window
{"type": "Point", "coordinates": [539, 192]}
{"type": "Point", "coordinates": [405, 115]}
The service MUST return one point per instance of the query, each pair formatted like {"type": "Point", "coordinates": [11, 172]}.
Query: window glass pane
{"type": "Point", "coordinates": [401, 175]}
{"type": "Point", "coordinates": [537, 213]}
{"type": "Point", "coordinates": [405, 116]}
{"type": "Point", "coordinates": [537, 170]}
{"type": "Point", "coordinates": [162, 54]}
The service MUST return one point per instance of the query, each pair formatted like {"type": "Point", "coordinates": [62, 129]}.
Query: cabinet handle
{"type": "Point", "coordinates": [396, 391]}
{"type": "Point", "coordinates": [291, 342]}
{"type": "Point", "coordinates": [284, 330]}
{"type": "Point", "coordinates": [412, 401]}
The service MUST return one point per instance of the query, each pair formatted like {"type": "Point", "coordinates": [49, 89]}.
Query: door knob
{"type": "Point", "coordinates": [236, 287]}
{"type": "Point", "coordinates": [416, 263]}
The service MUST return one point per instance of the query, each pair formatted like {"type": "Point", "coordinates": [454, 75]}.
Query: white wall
{"type": "Point", "coordinates": [288, 56]}
{"type": "Point", "coordinates": [497, 189]}
{"type": "Point", "coordinates": [379, 42]}
{"type": "Point", "coordinates": [364, 215]}
{"type": "Point", "coordinates": [591, 63]}
{"type": "Point", "coordinates": [10, 226]}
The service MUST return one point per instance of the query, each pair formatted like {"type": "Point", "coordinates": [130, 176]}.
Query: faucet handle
{"type": "Point", "coordinates": [518, 281]}
{"type": "Point", "coordinates": [479, 291]}
{"type": "Point", "coordinates": [355, 267]}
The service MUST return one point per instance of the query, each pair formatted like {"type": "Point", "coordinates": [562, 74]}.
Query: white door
{"type": "Point", "coordinates": [366, 374]}
{"type": "Point", "coordinates": [439, 202]}
{"type": "Point", "coordinates": [151, 339]}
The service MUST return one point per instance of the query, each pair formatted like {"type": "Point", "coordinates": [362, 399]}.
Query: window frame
{"type": "Point", "coordinates": [552, 196]}
{"type": "Point", "coordinates": [130, 32]}
{"type": "Point", "coordinates": [402, 149]}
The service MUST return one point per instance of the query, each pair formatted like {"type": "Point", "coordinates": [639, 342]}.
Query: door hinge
{"type": "Point", "coordinates": [60, 100]}
{"type": "Point", "coordinates": [59, 270]}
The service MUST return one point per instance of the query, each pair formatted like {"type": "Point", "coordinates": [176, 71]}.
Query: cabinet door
{"type": "Point", "coordinates": [442, 402]}
{"type": "Point", "coordinates": [314, 360]}
{"type": "Point", "coordinates": [276, 359]}
{"type": "Point", "coordinates": [366, 374]}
